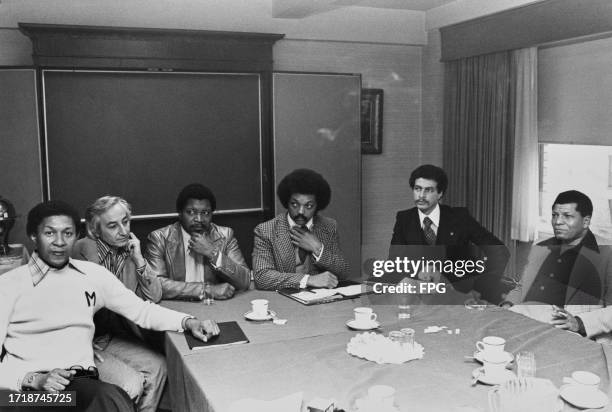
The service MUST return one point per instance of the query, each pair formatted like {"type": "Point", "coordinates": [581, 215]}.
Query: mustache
{"type": "Point", "coordinates": [300, 216]}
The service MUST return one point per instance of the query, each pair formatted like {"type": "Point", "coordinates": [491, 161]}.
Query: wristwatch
{"type": "Point", "coordinates": [28, 381]}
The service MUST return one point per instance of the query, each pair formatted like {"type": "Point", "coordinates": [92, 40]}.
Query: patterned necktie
{"type": "Point", "coordinates": [302, 254]}
{"type": "Point", "coordinates": [430, 235]}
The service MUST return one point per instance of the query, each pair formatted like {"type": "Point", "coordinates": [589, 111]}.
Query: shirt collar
{"type": "Point", "coordinates": [39, 268]}
{"type": "Point", "coordinates": [104, 249]}
{"type": "Point", "coordinates": [434, 216]}
{"type": "Point", "coordinates": [292, 224]}
{"type": "Point", "coordinates": [587, 241]}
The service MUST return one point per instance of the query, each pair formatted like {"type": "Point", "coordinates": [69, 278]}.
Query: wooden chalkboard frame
{"type": "Point", "coordinates": [50, 184]}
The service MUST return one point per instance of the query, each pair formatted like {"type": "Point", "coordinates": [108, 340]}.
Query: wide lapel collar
{"type": "Point", "coordinates": [215, 235]}
{"type": "Point", "coordinates": [414, 227]}
{"type": "Point", "coordinates": [444, 229]}
{"type": "Point", "coordinates": [285, 247]}
{"type": "Point", "coordinates": [175, 253]}
{"type": "Point", "coordinates": [588, 254]}
{"type": "Point", "coordinates": [537, 255]}
{"type": "Point", "coordinates": [319, 229]}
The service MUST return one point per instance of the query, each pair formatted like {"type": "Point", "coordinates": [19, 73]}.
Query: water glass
{"type": "Point", "coordinates": [208, 296]}
{"type": "Point", "coordinates": [403, 312]}
{"type": "Point", "coordinates": [525, 365]}
{"type": "Point", "coordinates": [396, 336]}
{"type": "Point", "coordinates": [408, 337]}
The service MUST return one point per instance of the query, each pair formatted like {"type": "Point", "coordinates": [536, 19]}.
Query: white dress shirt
{"type": "Point", "coordinates": [434, 216]}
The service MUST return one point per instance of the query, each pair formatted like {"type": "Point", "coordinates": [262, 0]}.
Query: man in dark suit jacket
{"type": "Point", "coordinates": [299, 248]}
{"type": "Point", "coordinates": [453, 229]}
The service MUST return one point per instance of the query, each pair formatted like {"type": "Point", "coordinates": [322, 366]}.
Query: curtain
{"type": "Point", "coordinates": [479, 106]}
{"type": "Point", "coordinates": [525, 174]}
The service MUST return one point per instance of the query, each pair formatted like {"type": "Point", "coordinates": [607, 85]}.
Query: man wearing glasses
{"type": "Point", "coordinates": [194, 252]}
{"type": "Point", "coordinates": [451, 229]}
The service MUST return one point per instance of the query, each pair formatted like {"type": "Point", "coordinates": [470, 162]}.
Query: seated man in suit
{"type": "Point", "coordinates": [570, 271]}
{"type": "Point", "coordinates": [47, 309]}
{"type": "Point", "coordinates": [193, 252]}
{"type": "Point", "coordinates": [122, 357]}
{"type": "Point", "coordinates": [451, 229]}
{"type": "Point", "coordinates": [299, 248]}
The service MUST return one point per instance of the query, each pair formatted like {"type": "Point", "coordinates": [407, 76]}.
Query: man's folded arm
{"type": "Point", "coordinates": [149, 285]}
{"type": "Point", "coordinates": [489, 283]}
{"type": "Point", "coordinates": [332, 258]}
{"type": "Point", "coordinates": [264, 268]}
{"type": "Point", "coordinates": [233, 268]}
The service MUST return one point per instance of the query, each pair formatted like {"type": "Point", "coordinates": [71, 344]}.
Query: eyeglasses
{"type": "Point", "coordinates": [201, 213]}
{"type": "Point", "coordinates": [81, 372]}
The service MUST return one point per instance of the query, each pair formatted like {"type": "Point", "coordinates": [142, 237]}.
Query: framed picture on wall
{"type": "Point", "coordinates": [371, 121]}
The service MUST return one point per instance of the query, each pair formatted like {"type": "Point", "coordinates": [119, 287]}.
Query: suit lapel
{"type": "Point", "coordinates": [285, 249]}
{"type": "Point", "coordinates": [176, 253]}
{"type": "Point", "coordinates": [444, 233]}
{"type": "Point", "coordinates": [414, 227]}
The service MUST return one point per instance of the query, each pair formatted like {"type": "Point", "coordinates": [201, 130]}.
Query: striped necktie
{"type": "Point", "coordinates": [430, 235]}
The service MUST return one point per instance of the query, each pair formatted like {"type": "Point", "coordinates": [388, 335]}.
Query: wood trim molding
{"type": "Point", "coordinates": [141, 48]}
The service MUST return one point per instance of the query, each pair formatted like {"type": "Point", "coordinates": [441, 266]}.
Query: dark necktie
{"type": "Point", "coordinates": [430, 235]}
{"type": "Point", "coordinates": [302, 254]}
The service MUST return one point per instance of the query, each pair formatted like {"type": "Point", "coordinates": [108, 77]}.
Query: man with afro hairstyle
{"type": "Point", "coordinates": [299, 248]}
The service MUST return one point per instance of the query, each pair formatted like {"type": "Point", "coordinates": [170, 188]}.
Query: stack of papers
{"type": "Point", "coordinates": [323, 294]}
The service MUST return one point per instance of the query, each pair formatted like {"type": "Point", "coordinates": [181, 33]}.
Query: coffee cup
{"type": "Point", "coordinates": [260, 307]}
{"type": "Point", "coordinates": [491, 344]}
{"type": "Point", "coordinates": [364, 315]}
{"type": "Point", "coordinates": [494, 364]}
{"type": "Point", "coordinates": [587, 381]}
{"type": "Point", "coordinates": [382, 395]}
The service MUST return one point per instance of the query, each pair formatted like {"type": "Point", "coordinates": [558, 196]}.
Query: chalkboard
{"type": "Point", "coordinates": [145, 135]}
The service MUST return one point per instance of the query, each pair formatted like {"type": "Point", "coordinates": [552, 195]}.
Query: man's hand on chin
{"type": "Point", "coordinates": [323, 280]}
{"type": "Point", "coordinates": [202, 329]}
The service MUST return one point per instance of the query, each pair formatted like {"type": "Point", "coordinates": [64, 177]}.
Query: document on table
{"type": "Point", "coordinates": [322, 294]}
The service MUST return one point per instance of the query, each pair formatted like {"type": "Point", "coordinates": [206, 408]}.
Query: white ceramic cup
{"type": "Point", "coordinates": [587, 381]}
{"type": "Point", "coordinates": [260, 307]}
{"type": "Point", "coordinates": [364, 315]}
{"type": "Point", "coordinates": [491, 344]}
{"type": "Point", "coordinates": [381, 395]}
{"type": "Point", "coordinates": [494, 364]}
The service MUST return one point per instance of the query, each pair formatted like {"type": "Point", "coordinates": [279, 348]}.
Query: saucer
{"type": "Point", "coordinates": [577, 396]}
{"type": "Point", "coordinates": [362, 325]}
{"type": "Point", "coordinates": [251, 316]}
{"type": "Point", "coordinates": [478, 356]}
{"type": "Point", "coordinates": [479, 374]}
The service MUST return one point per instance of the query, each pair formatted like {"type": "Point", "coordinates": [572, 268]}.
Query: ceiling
{"type": "Point", "coordinates": [297, 9]}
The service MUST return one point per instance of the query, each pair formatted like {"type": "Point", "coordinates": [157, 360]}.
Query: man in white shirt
{"type": "Point", "coordinates": [47, 309]}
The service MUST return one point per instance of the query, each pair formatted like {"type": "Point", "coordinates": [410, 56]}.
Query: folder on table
{"type": "Point", "coordinates": [346, 289]}
{"type": "Point", "coordinates": [231, 334]}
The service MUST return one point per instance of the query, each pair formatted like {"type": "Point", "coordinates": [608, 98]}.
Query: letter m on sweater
{"type": "Point", "coordinates": [91, 298]}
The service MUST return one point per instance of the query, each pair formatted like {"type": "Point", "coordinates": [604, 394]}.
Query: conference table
{"type": "Point", "coordinates": [308, 354]}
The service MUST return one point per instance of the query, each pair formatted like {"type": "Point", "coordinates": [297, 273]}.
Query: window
{"type": "Point", "coordinates": [587, 168]}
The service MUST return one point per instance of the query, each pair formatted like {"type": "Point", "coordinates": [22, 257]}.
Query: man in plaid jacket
{"type": "Point", "coordinates": [299, 248]}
